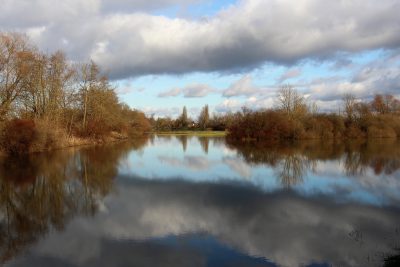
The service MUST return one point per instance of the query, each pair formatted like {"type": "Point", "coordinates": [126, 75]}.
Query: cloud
{"type": "Point", "coordinates": [162, 111]}
{"type": "Point", "coordinates": [238, 38]}
{"type": "Point", "coordinates": [171, 92]}
{"type": "Point", "coordinates": [254, 223]}
{"type": "Point", "coordinates": [197, 90]}
{"type": "Point", "coordinates": [263, 101]}
{"type": "Point", "coordinates": [189, 91]}
{"type": "Point", "coordinates": [228, 105]}
{"type": "Point", "coordinates": [197, 163]}
{"type": "Point", "coordinates": [239, 166]}
{"type": "Point", "coordinates": [123, 6]}
{"type": "Point", "coordinates": [242, 87]}
{"type": "Point", "coordinates": [380, 76]}
{"type": "Point", "coordinates": [290, 74]}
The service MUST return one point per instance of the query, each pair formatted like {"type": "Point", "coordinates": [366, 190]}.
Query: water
{"type": "Point", "coordinates": [189, 201]}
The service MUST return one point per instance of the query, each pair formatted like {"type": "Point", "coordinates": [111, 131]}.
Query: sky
{"type": "Point", "coordinates": [162, 55]}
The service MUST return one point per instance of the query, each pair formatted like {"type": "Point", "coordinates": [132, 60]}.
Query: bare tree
{"type": "Point", "coordinates": [291, 102]}
{"type": "Point", "coordinates": [89, 77]}
{"type": "Point", "coordinates": [350, 106]}
{"type": "Point", "coordinates": [14, 65]}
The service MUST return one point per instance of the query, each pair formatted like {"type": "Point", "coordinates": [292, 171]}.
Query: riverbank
{"type": "Point", "coordinates": [193, 133]}
{"type": "Point", "coordinates": [64, 142]}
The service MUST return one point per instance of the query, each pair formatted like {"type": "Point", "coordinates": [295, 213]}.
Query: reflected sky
{"type": "Point", "coordinates": [188, 201]}
{"type": "Point", "coordinates": [151, 223]}
{"type": "Point", "coordinates": [344, 177]}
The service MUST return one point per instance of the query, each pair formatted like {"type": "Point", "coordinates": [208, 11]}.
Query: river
{"type": "Point", "coordinates": [198, 201]}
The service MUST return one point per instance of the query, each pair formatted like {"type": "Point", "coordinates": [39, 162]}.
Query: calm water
{"type": "Point", "coordinates": [188, 201]}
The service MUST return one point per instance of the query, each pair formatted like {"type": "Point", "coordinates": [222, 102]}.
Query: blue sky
{"type": "Point", "coordinates": [162, 55]}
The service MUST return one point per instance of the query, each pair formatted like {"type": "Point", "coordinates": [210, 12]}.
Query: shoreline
{"type": "Point", "coordinates": [192, 133]}
{"type": "Point", "coordinates": [71, 142]}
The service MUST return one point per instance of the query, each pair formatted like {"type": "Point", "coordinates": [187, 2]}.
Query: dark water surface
{"type": "Point", "coordinates": [196, 201]}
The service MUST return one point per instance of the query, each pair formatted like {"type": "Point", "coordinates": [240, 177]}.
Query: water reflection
{"type": "Point", "coordinates": [189, 201]}
{"type": "Point", "coordinates": [380, 155]}
{"type": "Point", "coordinates": [39, 193]}
{"type": "Point", "coordinates": [176, 223]}
{"type": "Point", "coordinates": [347, 171]}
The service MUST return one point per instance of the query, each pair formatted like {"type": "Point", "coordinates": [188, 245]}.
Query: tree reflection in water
{"type": "Point", "coordinates": [183, 139]}
{"type": "Point", "coordinates": [40, 193]}
{"type": "Point", "coordinates": [204, 142]}
{"type": "Point", "coordinates": [293, 160]}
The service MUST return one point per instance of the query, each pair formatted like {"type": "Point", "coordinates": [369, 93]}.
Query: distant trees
{"type": "Point", "coordinates": [183, 121]}
{"type": "Point", "coordinates": [295, 118]}
{"type": "Point", "coordinates": [204, 118]}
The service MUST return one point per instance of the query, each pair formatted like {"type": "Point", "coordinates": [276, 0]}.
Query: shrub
{"type": "Point", "coordinates": [18, 136]}
{"type": "Point", "coordinates": [381, 132]}
{"type": "Point", "coordinates": [354, 132]}
{"type": "Point", "coordinates": [265, 125]}
{"type": "Point", "coordinates": [48, 136]}
{"type": "Point", "coordinates": [21, 136]}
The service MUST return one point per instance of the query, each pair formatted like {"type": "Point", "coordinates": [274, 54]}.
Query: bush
{"type": "Point", "coordinates": [18, 136]}
{"type": "Point", "coordinates": [381, 132]}
{"type": "Point", "coordinates": [354, 132]}
{"type": "Point", "coordinates": [48, 136]}
{"type": "Point", "coordinates": [265, 125]}
{"type": "Point", "coordinates": [21, 136]}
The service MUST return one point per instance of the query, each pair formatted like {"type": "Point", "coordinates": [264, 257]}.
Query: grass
{"type": "Point", "coordinates": [193, 133]}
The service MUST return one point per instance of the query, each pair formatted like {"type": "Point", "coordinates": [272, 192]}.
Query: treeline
{"type": "Point", "coordinates": [294, 119]}
{"type": "Point", "coordinates": [204, 121]}
{"type": "Point", "coordinates": [45, 100]}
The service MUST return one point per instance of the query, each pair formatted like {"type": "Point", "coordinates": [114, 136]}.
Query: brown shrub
{"type": "Point", "coordinates": [319, 127]}
{"type": "Point", "coordinates": [97, 129]}
{"type": "Point", "coordinates": [18, 136]}
{"type": "Point", "coordinates": [354, 132]}
{"type": "Point", "coordinates": [48, 136]}
{"type": "Point", "coordinates": [381, 132]}
{"type": "Point", "coordinates": [265, 125]}
{"type": "Point", "coordinates": [23, 136]}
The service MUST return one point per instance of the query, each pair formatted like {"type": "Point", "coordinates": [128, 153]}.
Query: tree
{"type": "Point", "coordinates": [378, 105]}
{"type": "Point", "coordinates": [204, 118]}
{"type": "Point", "coordinates": [89, 77]}
{"type": "Point", "coordinates": [183, 120]}
{"type": "Point", "coordinates": [291, 102]}
{"type": "Point", "coordinates": [15, 59]}
{"type": "Point", "coordinates": [384, 104]}
{"type": "Point", "coordinates": [350, 106]}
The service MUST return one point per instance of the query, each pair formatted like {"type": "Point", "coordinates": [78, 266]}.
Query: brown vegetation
{"type": "Point", "coordinates": [293, 120]}
{"type": "Point", "coordinates": [45, 101]}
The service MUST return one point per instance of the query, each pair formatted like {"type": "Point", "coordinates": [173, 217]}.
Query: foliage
{"type": "Point", "coordinates": [379, 118]}
{"type": "Point", "coordinates": [66, 99]}
{"type": "Point", "coordinates": [18, 136]}
{"type": "Point", "coordinates": [204, 118]}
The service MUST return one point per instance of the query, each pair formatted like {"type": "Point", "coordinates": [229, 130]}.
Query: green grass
{"type": "Point", "coordinates": [193, 133]}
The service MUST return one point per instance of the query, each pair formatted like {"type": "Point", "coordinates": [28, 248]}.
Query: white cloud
{"type": "Point", "coordinates": [171, 92]}
{"type": "Point", "coordinates": [242, 36]}
{"type": "Point", "coordinates": [197, 90]}
{"type": "Point", "coordinates": [162, 111]}
{"type": "Point", "coordinates": [290, 74]}
{"type": "Point", "coordinates": [189, 91]}
{"type": "Point", "coordinates": [244, 86]}
{"type": "Point", "coordinates": [228, 105]}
